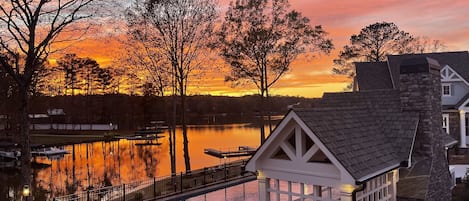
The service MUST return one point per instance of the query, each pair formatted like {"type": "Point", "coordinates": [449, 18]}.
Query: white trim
{"type": "Point", "coordinates": [445, 121]}
{"type": "Point", "coordinates": [253, 163]}
{"type": "Point", "coordinates": [288, 149]}
{"type": "Point", "coordinates": [447, 77]}
{"type": "Point", "coordinates": [293, 120]}
{"type": "Point", "coordinates": [390, 73]}
{"type": "Point", "coordinates": [449, 85]}
{"type": "Point", "coordinates": [462, 125]}
{"type": "Point", "coordinates": [462, 106]}
{"type": "Point", "coordinates": [380, 172]}
{"type": "Point", "coordinates": [310, 153]}
{"type": "Point", "coordinates": [321, 146]}
{"type": "Point", "coordinates": [409, 162]}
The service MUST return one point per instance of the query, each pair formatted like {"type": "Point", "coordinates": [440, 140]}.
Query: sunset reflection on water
{"type": "Point", "coordinates": [98, 164]}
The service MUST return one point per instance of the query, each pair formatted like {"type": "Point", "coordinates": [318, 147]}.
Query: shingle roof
{"type": "Point", "coordinates": [373, 75]}
{"type": "Point", "coordinates": [385, 75]}
{"type": "Point", "coordinates": [459, 104]}
{"type": "Point", "coordinates": [366, 131]}
{"type": "Point", "coordinates": [459, 61]}
{"type": "Point", "coordinates": [448, 141]}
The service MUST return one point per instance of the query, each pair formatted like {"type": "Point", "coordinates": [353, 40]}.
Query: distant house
{"type": "Point", "coordinates": [370, 145]}
{"type": "Point", "coordinates": [454, 88]}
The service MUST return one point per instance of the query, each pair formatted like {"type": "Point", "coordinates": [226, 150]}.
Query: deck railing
{"type": "Point", "coordinates": [163, 186]}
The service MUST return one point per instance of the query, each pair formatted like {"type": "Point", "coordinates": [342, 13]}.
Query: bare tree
{"type": "Point", "coordinates": [182, 29]}
{"type": "Point", "coordinates": [423, 44]}
{"type": "Point", "coordinates": [141, 53]}
{"type": "Point", "coordinates": [260, 39]}
{"type": "Point", "coordinates": [29, 28]}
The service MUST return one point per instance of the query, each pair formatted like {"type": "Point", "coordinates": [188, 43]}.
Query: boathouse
{"type": "Point", "coordinates": [376, 145]}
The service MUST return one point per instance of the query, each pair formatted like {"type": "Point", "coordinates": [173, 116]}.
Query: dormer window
{"type": "Point", "coordinates": [446, 89]}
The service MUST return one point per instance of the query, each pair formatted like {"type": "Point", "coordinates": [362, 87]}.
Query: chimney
{"type": "Point", "coordinates": [420, 91]}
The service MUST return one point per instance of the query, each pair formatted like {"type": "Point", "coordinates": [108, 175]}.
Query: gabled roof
{"type": "Point", "coordinates": [367, 119]}
{"type": "Point", "coordinates": [460, 103]}
{"type": "Point", "coordinates": [366, 132]}
{"type": "Point", "coordinates": [372, 75]}
{"type": "Point", "coordinates": [359, 140]}
{"type": "Point", "coordinates": [459, 61]}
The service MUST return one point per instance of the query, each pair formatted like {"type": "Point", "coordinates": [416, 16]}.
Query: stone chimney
{"type": "Point", "coordinates": [420, 91]}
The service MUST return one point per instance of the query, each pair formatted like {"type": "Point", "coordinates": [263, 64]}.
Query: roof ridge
{"type": "Point", "coordinates": [362, 92]}
{"type": "Point", "coordinates": [428, 53]}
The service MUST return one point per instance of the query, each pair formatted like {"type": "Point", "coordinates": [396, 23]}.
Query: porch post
{"type": "Point", "coordinates": [263, 182]}
{"type": "Point", "coordinates": [462, 124]}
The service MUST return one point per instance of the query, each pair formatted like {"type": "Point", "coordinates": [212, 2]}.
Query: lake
{"type": "Point", "coordinates": [112, 163]}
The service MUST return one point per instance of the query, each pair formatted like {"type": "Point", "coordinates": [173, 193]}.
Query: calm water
{"type": "Point", "coordinates": [112, 163]}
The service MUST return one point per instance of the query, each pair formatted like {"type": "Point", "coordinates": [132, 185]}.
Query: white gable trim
{"type": "Point", "coordinates": [292, 116]}
{"type": "Point", "coordinates": [463, 105]}
{"type": "Point", "coordinates": [251, 165]}
{"type": "Point", "coordinates": [324, 149]}
{"type": "Point", "coordinates": [447, 75]}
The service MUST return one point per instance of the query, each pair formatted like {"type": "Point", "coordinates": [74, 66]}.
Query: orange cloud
{"type": "Point", "coordinates": [311, 77]}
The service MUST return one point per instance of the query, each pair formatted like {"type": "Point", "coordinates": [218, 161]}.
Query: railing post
{"type": "Point", "coordinates": [181, 181]}
{"type": "Point", "coordinates": [154, 187]}
{"type": "Point", "coordinates": [123, 189]}
{"type": "Point", "coordinates": [225, 172]}
{"type": "Point", "coordinates": [244, 191]}
{"type": "Point", "coordinates": [205, 172]}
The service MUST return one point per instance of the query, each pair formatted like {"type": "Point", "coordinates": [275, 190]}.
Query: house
{"type": "Point", "coordinates": [369, 145]}
{"type": "Point", "coordinates": [454, 87]}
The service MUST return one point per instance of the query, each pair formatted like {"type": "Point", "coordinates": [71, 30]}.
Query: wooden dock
{"type": "Point", "coordinates": [241, 151]}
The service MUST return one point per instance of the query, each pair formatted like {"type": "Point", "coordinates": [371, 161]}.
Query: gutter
{"type": "Point", "coordinates": [355, 191]}
{"type": "Point", "coordinates": [362, 184]}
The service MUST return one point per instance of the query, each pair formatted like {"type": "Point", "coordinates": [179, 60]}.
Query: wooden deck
{"type": "Point", "coordinates": [241, 151]}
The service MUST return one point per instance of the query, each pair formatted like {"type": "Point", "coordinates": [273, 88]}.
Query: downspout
{"type": "Point", "coordinates": [360, 188]}
{"type": "Point", "coordinates": [362, 184]}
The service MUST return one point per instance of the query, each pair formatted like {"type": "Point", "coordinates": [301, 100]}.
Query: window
{"type": "Point", "coordinates": [446, 123]}
{"type": "Point", "coordinates": [446, 89]}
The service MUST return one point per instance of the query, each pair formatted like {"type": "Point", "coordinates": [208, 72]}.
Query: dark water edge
{"type": "Point", "coordinates": [106, 163]}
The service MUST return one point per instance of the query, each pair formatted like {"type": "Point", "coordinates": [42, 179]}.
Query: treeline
{"type": "Point", "coordinates": [133, 112]}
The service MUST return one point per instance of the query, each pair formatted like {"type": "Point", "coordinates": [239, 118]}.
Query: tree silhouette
{"type": "Point", "coordinates": [182, 29]}
{"type": "Point", "coordinates": [372, 44]}
{"type": "Point", "coordinates": [70, 64]}
{"type": "Point", "coordinates": [259, 39]}
{"type": "Point", "coordinates": [104, 79]}
{"type": "Point", "coordinates": [28, 30]}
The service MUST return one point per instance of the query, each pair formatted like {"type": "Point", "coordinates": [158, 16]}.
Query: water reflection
{"type": "Point", "coordinates": [98, 164]}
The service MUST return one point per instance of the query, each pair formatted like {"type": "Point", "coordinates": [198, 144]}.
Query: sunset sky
{"type": "Point", "coordinates": [443, 20]}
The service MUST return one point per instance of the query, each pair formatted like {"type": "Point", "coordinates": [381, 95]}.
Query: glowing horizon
{"type": "Point", "coordinates": [312, 77]}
